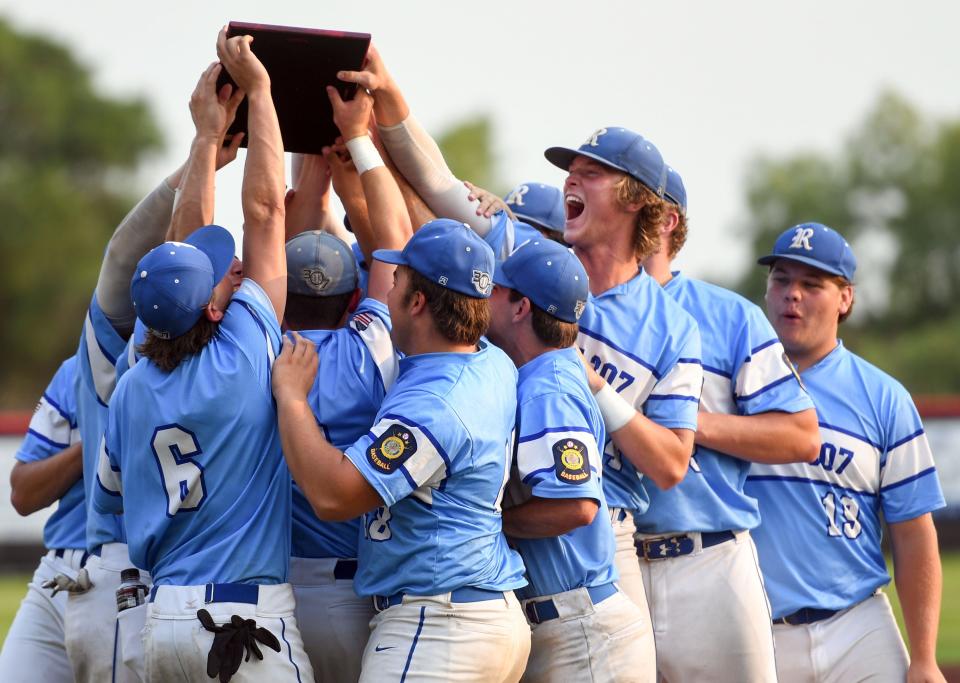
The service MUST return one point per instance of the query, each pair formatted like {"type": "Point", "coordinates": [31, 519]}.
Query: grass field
{"type": "Point", "coordinates": [13, 588]}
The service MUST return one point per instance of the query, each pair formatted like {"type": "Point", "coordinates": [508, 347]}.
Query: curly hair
{"type": "Point", "coordinates": [646, 238]}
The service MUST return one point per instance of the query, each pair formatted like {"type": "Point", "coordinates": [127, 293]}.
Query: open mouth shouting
{"type": "Point", "coordinates": [573, 205]}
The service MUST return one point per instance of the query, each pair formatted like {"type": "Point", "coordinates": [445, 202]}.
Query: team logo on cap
{"type": "Point", "coordinates": [316, 279]}
{"type": "Point", "coordinates": [578, 308]}
{"type": "Point", "coordinates": [515, 198]}
{"type": "Point", "coordinates": [570, 457]}
{"type": "Point", "coordinates": [392, 449]}
{"type": "Point", "coordinates": [482, 282]}
{"type": "Point", "coordinates": [801, 239]}
{"type": "Point", "coordinates": [594, 140]}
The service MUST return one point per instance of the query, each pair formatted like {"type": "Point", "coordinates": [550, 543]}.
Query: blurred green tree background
{"type": "Point", "coordinates": [66, 155]}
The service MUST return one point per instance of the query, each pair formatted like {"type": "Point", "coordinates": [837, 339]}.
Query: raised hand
{"type": "Point", "coordinates": [374, 75]}
{"type": "Point", "coordinates": [213, 112]}
{"type": "Point", "coordinates": [242, 65]}
{"type": "Point", "coordinates": [353, 116]}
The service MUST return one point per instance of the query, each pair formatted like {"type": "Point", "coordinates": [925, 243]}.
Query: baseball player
{"type": "Point", "coordinates": [819, 539]}
{"type": "Point", "coordinates": [101, 646]}
{"type": "Point", "coordinates": [698, 562]}
{"type": "Point", "coordinates": [49, 468]}
{"type": "Point", "coordinates": [642, 348]}
{"type": "Point", "coordinates": [582, 625]}
{"type": "Point", "coordinates": [205, 491]}
{"type": "Point", "coordinates": [358, 364]}
{"type": "Point", "coordinates": [429, 475]}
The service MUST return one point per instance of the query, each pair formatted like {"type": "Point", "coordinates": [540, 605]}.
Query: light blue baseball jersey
{"type": "Point", "coordinates": [648, 349]}
{"type": "Point", "coordinates": [363, 271]}
{"type": "Point", "coordinates": [53, 428]}
{"type": "Point", "coordinates": [819, 538]}
{"type": "Point", "coordinates": [357, 365]}
{"type": "Point", "coordinates": [745, 372]}
{"type": "Point", "coordinates": [100, 346]}
{"type": "Point", "coordinates": [196, 455]}
{"type": "Point", "coordinates": [439, 457]}
{"type": "Point", "coordinates": [558, 456]}
{"type": "Point", "coordinates": [506, 235]}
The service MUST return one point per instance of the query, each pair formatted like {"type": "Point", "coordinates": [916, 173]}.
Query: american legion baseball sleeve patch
{"type": "Point", "coordinates": [392, 448]}
{"type": "Point", "coordinates": [572, 463]}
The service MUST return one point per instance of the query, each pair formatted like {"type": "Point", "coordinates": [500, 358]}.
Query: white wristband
{"type": "Point", "coordinates": [614, 408]}
{"type": "Point", "coordinates": [364, 154]}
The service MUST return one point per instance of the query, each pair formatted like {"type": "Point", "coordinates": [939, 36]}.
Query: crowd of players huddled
{"type": "Point", "coordinates": [474, 440]}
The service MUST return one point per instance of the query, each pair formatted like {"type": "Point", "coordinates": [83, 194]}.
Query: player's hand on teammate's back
{"type": "Point", "coordinates": [489, 202]}
{"type": "Point", "coordinates": [295, 368]}
{"type": "Point", "coordinates": [242, 65]}
{"type": "Point", "coordinates": [352, 116]}
{"type": "Point", "coordinates": [374, 75]}
{"type": "Point", "coordinates": [213, 112]}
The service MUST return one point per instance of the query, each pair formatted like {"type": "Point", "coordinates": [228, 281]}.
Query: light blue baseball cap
{"type": "Point", "coordinates": [320, 264]}
{"type": "Point", "coordinates": [448, 253]}
{"type": "Point", "coordinates": [548, 274]}
{"type": "Point", "coordinates": [538, 205]}
{"type": "Point", "coordinates": [174, 281]}
{"type": "Point", "coordinates": [815, 245]}
{"type": "Point", "coordinates": [621, 149]}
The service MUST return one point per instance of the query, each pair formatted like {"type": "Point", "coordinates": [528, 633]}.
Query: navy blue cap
{"type": "Point", "coordinates": [815, 245]}
{"type": "Point", "coordinates": [675, 190]}
{"type": "Point", "coordinates": [174, 282]}
{"type": "Point", "coordinates": [538, 205]}
{"type": "Point", "coordinates": [449, 253]}
{"type": "Point", "coordinates": [621, 149]}
{"type": "Point", "coordinates": [548, 274]}
{"type": "Point", "coordinates": [320, 264]}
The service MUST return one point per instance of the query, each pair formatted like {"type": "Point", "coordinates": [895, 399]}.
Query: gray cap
{"type": "Point", "coordinates": [319, 264]}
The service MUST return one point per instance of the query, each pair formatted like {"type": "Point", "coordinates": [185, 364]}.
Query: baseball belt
{"type": "Point", "coordinates": [806, 615]}
{"type": "Point", "coordinates": [545, 610]}
{"type": "Point", "coordinates": [466, 594]}
{"type": "Point", "coordinates": [665, 547]}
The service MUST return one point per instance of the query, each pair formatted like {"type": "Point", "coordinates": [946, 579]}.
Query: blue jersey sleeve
{"type": "Point", "coordinates": [557, 452]}
{"type": "Point", "coordinates": [53, 426]}
{"type": "Point", "coordinates": [100, 346]}
{"type": "Point", "coordinates": [764, 380]}
{"type": "Point", "coordinates": [675, 399]}
{"type": "Point", "coordinates": [252, 322]}
{"type": "Point", "coordinates": [107, 494]}
{"type": "Point", "coordinates": [405, 449]}
{"type": "Point", "coordinates": [909, 486]}
{"type": "Point", "coordinates": [371, 324]}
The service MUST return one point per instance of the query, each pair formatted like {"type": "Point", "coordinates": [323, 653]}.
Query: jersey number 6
{"type": "Point", "coordinates": [174, 446]}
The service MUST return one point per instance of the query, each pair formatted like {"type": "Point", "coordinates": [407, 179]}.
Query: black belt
{"type": "Point", "coordinates": [545, 610]}
{"type": "Point", "coordinates": [675, 546]}
{"type": "Point", "coordinates": [806, 615]}
{"type": "Point", "coordinates": [345, 570]}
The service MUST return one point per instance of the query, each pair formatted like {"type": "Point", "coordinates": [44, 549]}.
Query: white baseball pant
{"type": "Point", "coordinates": [177, 645]}
{"type": "Point", "coordinates": [334, 621]}
{"type": "Point", "coordinates": [860, 643]}
{"type": "Point", "coordinates": [436, 639]}
{"type": "Point", "coordinates": [591, 641]}
{"type": "Point", "coordinates": [711, 617]}
{"type": "Point", "coordinates": [35, 648]}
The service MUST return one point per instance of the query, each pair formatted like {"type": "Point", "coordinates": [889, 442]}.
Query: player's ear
{"type": "Point", "coordinates": [846, 299]}
{"type": "Point", "coordinates": [671, 219]}
{"type": "Point", "coordinates": [522, 309]}
{"type": "Point", "coordinates": [354, 300]}
{"type": "Point", "coordinates": [213, 314]}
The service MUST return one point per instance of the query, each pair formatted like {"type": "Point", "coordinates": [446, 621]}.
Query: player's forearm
{"type": "Point", "coordinates": [418, 158]}
{"type": "Point", "coordinates": [919, 580]}
{"type": "Point", "coordinates": [387, 211]}
{"type": "Point", "coordinates": [659, 453]}
{"type": "Point", "coordinates": [35, 485]}
{"type": "Point", "coordinates": [773, 437]}
{"type": "Point", "coordinates": [195, 200]}
{"type": "Point", "coordinates": [324, 474]}
{"type": "Point", "coordinates": [389, 105]}
{"type": "Point", "coordinates": [140, 231]}
{"type": "Point", "coordinates": [263, 180]}
{"type": "Point", "coordinates": [547, 518]}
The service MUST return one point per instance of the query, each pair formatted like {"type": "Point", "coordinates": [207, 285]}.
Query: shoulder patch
{"type": "Point", "coordinates": [572, 463]}
{"type": "Point", "coordinates": [392, 449]}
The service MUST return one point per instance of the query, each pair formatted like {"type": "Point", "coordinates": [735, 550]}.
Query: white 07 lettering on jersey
{"type": "Point", "coordinates": [377, 524]}
{"type": "Point", "coordinates": [174, 447]}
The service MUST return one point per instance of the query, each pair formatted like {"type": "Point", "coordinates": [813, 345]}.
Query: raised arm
{"type": "Point", "coordinates": [387, 211]}
{"type": "Point", "coordinates": [212, 114]}
{"type": "Point", "coordinates": [264, 258]}
{"type": "Point", "coordinates": [308, 201]}
{"type": "Point", "coordinates": [140, 231]}
{"type": "Point", "coordinates": [414, 152]}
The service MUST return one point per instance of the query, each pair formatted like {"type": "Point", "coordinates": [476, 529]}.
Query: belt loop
{"type": "Point", "coordinates": [208, 594]}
